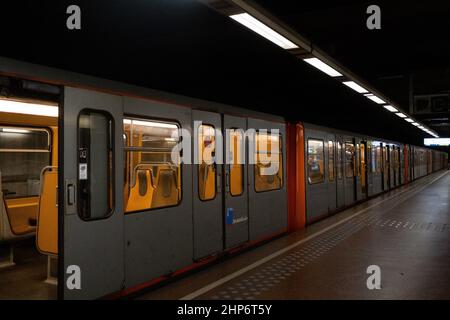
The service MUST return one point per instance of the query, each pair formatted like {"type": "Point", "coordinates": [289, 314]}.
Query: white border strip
{"type": "Point", "coordinates": [260, 262]}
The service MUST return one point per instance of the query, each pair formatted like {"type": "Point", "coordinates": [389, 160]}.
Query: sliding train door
{"type": "Point", "coordinates": [267, 180]}
{"type": "Point", "coordinates": [92, 180]}
{"type": "Point", "coordinates": [235, 181]}
{"type": "Point", "coordinates": [349, 170]}
{"type": "Point", "coordinates": [340, 176]}
{"type": "Point", "coordinates": [207, 186]}
{"type": "Point", "coordinates": [157, 190]}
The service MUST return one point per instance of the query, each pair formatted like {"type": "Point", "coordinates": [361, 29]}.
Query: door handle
{"type": "Point", "coordinates": [70, 194]}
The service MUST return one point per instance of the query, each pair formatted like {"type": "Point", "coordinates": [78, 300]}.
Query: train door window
{"type": "Point", "coordinates": [339, 160]}
{"type": "Point", "coordinates": [269, 163]}
{"type": "Point", "coordinates": [378, 161]}
{"type": "Point", "coordinates": [24, 152]}
{"type": "Point", "coordinates": [237, 165]}
{"type": "Point", "coordinates": [95, 160]}
{"type": "Point", "coordinates": [349, 160]}
{"type": "Point", "coordinates": [153, 177]}
{"type": "Point", "coordinates": [358, 160]}
{"type": "Point", "coordinates": [207, 167]}
{"type": "Point", "coordinates": [331, 161]}
{"type": "Point", "coordinates": [315, 162]}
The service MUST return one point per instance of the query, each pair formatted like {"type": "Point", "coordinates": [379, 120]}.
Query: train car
{"type": "Point", "coordinates": [122, 187]}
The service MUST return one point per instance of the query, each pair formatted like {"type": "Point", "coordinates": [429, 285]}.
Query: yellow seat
{"type": "Point", "coordinates": [166, 193]}
{"type": "Point", "coordinates": [141, 192]}
{"type": "Point", "coordinates": [47, 221]}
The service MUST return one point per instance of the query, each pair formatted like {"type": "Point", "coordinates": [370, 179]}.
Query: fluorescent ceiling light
{"type": "Point", "coordinates": [355, 86]}
{"type": "Point", "coordinates": [401, 115]}
{"type": "Point", "coordinates": [444, 142]}
{"type": "Point", "coordinates": [415, 124]}
{"type": "Point", "coordinates": [374, 98]}
{"type": "Point", "coordinates": [150, 124]}
{"type": "Point", "coordinates": [409, 120]}
{"type": "Point", "coordinates": [421, 127]}
{"type": "Point", "coordinates": [28, 108]}
{"type": "Point", "coordinates": [322, 66]}
{"type": "Point", "coordinates": [263, 30]}
{"type": "Point", "coordinates": [9, 130]}
{"type": "Point", "coordinates": [390, 108]}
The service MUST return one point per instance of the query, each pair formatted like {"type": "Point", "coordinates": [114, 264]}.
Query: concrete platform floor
{"type": "Point", "coordinates": [405, 232]}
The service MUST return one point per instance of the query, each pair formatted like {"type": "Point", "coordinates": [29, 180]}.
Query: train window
{"type": "Point", "coordinates": [237, 166]}
{"type": "Point", "coordinates": [330, 161]}
{"type": "Point", "coordinates": [24, 152]}
{"type": "Point", "coordinates": [339, 160]}
{"type": "Point", "coordinates": [349, 160]}
{"type": "Point", "coordinates": [153, 177]}
{"type": "Point", "coordinates": [207, 167]}
{"type": "Point", "coordinates": [268, 169]}
{"type": "Point", "coordinates": [95, 161]}
{"type": "Point", "coordinates": [378, 161]}
{"type": "Point", "coordinates": [358, 160]}
{"type": "Point", "coordinates": [315, 162]}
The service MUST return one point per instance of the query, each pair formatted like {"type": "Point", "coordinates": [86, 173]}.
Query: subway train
{"type": "Point", "coordinates": [94, 200]}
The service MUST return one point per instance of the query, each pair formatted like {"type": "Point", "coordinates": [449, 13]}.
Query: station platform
{"type": "Point", "coordinates": [405, 232]}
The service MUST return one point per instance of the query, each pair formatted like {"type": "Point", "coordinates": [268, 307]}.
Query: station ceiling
{"type": "Point", "coordinates": [185, 47]}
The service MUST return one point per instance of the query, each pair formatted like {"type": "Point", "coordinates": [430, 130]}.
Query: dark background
{"type": "Point", "coordinates": [184, 47]}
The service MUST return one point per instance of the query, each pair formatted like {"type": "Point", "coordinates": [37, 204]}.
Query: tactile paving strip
{"type": "Point", "coordinates": [411, 225]}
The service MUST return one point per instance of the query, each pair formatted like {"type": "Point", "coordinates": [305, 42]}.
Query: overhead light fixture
{"type": "Point", "coordinates": [322, 66]}
{"type": "Point", "coordinates": [11, 130]}
{"type": "Point", "coordinates": [34, 109]}
{"type": "Point", "coordinates": [263, 30]}
{"type": "Point", "coordinates": [355, 86]}
{"type": "Point", "coordinates": [374, 98]}
{"type": "Point", "coordinates": [150, 124]}
{"type": "Point", "coordinates": [390, 108]}
{"type": "Point", "coordinates": [401, 115]}
{"type": "Point", "coordinates": [415, 124]}
{"type": "Point", "coordinates": [409, 120]}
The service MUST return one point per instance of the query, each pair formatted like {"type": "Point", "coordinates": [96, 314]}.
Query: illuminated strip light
{"type": "Point", "coordinates": [9, 130]}
{"type": "Point", "coordinates": [409, 120]}
{"type": "Point", "coordinates": [390, 108]}
{"type": "Point", "coordinates": [355, 86]}
{"type": "Point", "coordinates": [322, 66]}
{"type": "Point", "coordinates": [443, 142]}
{"type": "Point", "coordinates": [415, 124]}
{"type": "Point", "coordinates": [150, 124]}
{"type": "Point", "coordinates": [374, 98]}
{"type": "Point", "coordinates": [401, 115]}
{"type": "Point", "coordinates": [34, 109]}
{"type": "Point", "coordinates": [263, 30]}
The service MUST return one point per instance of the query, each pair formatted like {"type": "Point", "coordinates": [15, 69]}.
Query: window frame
{"type": "Point", "coordinates": [340, 165]}
{"type": "Point", "coordinates": [242, 166]}
{"type": "Point", "coordinates": [323, 157]}
{"type": "Point", "coordinates": [280, 136]}
{"type": "Point", "coordinates": [49, 151]}
{"type": "Point", "coordinates": [214, 165]}
{"type": "Point", "coordinates": [112, 180]}
{"type": "Point", "coordinates": [126, 152]}
{"type": "Point", "coordinates": [346, 161]}
{"type": "Point", "coordinates": [331, 179]}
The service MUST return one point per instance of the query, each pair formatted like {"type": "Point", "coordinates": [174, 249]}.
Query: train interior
{"type": "Point", "coordinates": [29, 208]}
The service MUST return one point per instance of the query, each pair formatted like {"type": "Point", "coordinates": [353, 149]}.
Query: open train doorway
{"type": "Point", "coordinates": [29, 123]}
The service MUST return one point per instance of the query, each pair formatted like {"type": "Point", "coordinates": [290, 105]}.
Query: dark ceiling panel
{"type": "Point", "coordinates": [184, 47]}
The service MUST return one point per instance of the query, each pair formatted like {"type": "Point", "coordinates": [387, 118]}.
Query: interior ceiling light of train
{"type": "Point", "coordinates": [264, 25]}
